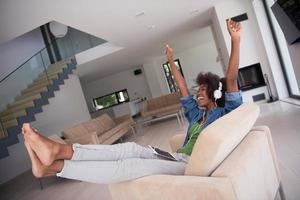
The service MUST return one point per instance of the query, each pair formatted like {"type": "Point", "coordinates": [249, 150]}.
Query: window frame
{"type": "Point", "coordinates": [277, 46]}
{"type": "Point", "coordinates": [115, 93]}
{"type": "Point", "coordinates": [173, 81]}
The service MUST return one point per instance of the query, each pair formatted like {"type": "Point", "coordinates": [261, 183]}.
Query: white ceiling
{"type": "Point", "coordinates": [114, 21]}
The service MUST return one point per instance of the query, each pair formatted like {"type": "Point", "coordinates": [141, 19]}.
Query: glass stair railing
{"type": "Point", "coordinates": [21, 89]}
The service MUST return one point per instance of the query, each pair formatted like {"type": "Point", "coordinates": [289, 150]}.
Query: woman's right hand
{"type": "Point", "coordinates": [169, 53]}
{"type": "Point", "coordinates": [234, 29]}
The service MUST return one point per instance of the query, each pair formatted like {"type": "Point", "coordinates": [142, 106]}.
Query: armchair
{"type": "Point", "coordinates": [231, 160]}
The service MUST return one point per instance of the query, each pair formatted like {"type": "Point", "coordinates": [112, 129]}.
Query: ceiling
{"type": "Point", "coordinates": [141, 27]}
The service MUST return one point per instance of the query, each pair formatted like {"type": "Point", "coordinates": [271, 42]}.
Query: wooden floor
{"type": "Point", "coordinates": [282, 118]}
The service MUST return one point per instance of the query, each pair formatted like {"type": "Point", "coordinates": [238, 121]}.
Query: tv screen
{"type": "Point", "coordinates": [287, 13]}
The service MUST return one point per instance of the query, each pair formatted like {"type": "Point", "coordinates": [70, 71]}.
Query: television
{"type": "Point", "coordinates": [250, 77]}
{"type": "Point", "coordinates": [287, 13]}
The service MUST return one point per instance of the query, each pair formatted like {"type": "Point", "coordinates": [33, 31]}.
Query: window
{"type": "Point", "coordinates": [170, 79]}
{"type": "Point", "coordinates": [110, 100]}
{"type": "Point", "coordinates": [283, 50]}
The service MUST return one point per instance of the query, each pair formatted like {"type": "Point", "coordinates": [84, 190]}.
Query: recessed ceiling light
{"type": "Point", "coordinates": [151, 27]}
{"type": "Point", "coordinates": [140, 14]}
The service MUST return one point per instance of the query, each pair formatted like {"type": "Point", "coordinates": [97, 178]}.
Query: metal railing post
{"type": "Point", "coordinates": [45, 69]}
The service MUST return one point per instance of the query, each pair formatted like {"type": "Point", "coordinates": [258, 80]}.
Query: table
{"type": "Point", "coordinates": [179, 115]}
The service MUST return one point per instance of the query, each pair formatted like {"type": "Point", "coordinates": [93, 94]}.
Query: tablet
{"type": "Point", "coordinates": [162, 153]}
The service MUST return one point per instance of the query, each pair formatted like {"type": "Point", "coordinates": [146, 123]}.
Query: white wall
{"type": "Point", "coordinates": [13, 54]}
{"type": "Point", "coordinates": [66, 109]}
{"type": "Point", "coordinates": [96, 52]}
{"type": "Point", "coordinates": [252, 48]}
{"type": "Point", "coordinates": [202, 57]}
{"type": "Point", "coordinates": [219, 40]}
{"type": "Point", "coordinates": [155, 77]}
{"type": "Point", "coordinates": [136, 86]}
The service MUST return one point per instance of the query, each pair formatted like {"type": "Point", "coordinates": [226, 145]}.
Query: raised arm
{"type": "Point", "coordinates": [234, 29]}
{"type": "Point", "coordinates": [177, 75]}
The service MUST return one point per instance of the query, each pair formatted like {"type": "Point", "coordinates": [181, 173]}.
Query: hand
{"type": "Point", "coordinates": [169, 53]}
{"type": "Point", "coordinates": [234, 29]}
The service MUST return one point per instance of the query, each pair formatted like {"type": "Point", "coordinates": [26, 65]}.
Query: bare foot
{"type": "Point", "coordinates": [38, 169]}
{"type": "Point", "coordinates": [44, 148]}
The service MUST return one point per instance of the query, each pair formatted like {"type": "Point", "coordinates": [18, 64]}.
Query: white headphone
{"type": "Point", "coordinates": [218, 92]}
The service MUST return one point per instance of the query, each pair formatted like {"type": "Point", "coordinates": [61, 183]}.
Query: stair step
{"type": "Point", "coordinates": [34, 87]}
{"type": "Point", "coordinates": [62, 62]}
{"type": "Point", "coordinates": [13, 115]}
{"type": "Point", "coordinates": [54, 68]}
{"type": "Point", "coordinates": [8, 117]}
{"type": "Point", "coordinates": [50, 73]}
{"type": "Point", "coordinates": [3, 134]}
{"type": "Point", "coordinates": [59, 65]}
{"type": "Point", "coordinates": [10, 123]}
{"type": "Point", "coordinates": [37, 91]}
{"type": "Point", "coordinates": [41, 83]}
{"type": "Point", "coordinates": [25, 100]}
{"type": "Point", "coordinates": [44, 79]}
{"type": "Point", "coordinates": [16, 108]}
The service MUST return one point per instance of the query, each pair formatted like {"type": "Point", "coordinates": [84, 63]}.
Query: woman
{"type": "Point", "coordinates": [210, 92]}
{"type": "Point", "coordinates": [127, 161]}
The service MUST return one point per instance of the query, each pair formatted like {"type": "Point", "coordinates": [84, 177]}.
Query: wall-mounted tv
{"type": "Point", "coordinates": [250, 77]}
{"type": "Point", "coordinates": [287, 13]}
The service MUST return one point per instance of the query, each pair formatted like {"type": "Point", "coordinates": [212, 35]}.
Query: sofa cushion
{"type": "Point", "coordinates": [156, 105]}
{"type": "Point", "coordinates": [105, 122]}
{"type": "Point", "coordinates": [166, 110]}
{"type": "Point", "coordinates": [57, 139]}
{"type": "Point", "coordinates": [122, 127]}
{"type": "Point", "coordinates": [251, 162]}
{"type": "Point", "coordinates": [173, 98]}
{"type": "Point", "coordinates": [75, 131]}
{"type": "Point", "coordinates": [219, 139]}
{"type": "Point", "coordinates": [93, 126]}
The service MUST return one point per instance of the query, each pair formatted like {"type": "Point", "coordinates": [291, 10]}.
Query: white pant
{"type": "Point", "coordinates": [119, 162]}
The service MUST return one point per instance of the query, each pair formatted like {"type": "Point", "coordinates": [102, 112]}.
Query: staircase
{"type": "Point", "coordinates": [30, 101]}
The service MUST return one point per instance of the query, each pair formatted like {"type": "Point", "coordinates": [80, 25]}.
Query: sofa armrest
{"type": "Point", "coordinates": [121, 128]}
{"type": "Point", "coordinates": [177, 141]}
{"type": "Point", "coordinates": [144, 109]}
{"type": "Point", "coordinates": [91, 138]}
{"type": "Point", "coordinates": [251, 162]}
{"type": "Point", "coordinates": [123, 118]}
{"type": "Point", "coordinates": [173, 188]}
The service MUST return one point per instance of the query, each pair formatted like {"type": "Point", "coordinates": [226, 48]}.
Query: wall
{"type": "Point", "coordinates": [270, 48]}
{"type": "Point", "coordinates": [136, 86]}
{"type": "Point", "coordinates": [219, 40]}
{"type": "Point", "coordinates": [294, 53]}
{"type": "Point", "coordinates": [13, 54]}
{"type": "Point", "coordinates": [252, 49]}
{"type": "Point", "coordinates": [200, 57]}
{"type": "Point", "coordinates": [66, 109]}
{"type": "Point", "coordinates": [155, 77]}
{"type": "Point", "coordinates": [94, 53]}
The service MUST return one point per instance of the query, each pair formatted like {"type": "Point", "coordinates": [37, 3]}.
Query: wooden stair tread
{"type": "Point", "coordinates": [26, 99]}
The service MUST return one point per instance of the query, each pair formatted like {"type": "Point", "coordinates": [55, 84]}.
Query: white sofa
{"type": "Point", "coordinates": [230, 160]}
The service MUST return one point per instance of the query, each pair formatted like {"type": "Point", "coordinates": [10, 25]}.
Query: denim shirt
{"type": "Point", "coordinates": [194, 113]}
